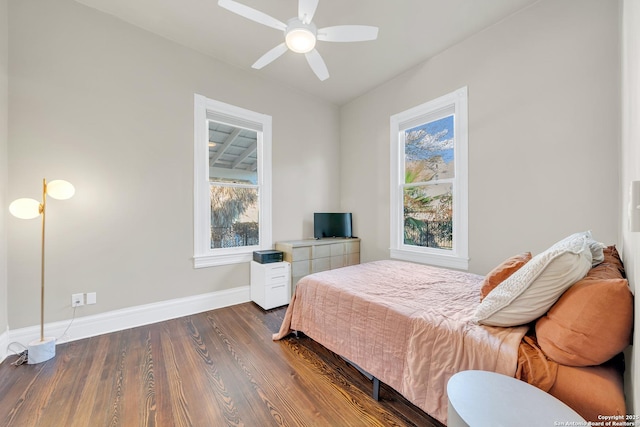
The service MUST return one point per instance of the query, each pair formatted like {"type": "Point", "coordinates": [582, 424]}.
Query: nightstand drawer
{"type": "Point", "coordinates": [276, 274]}
{"type": "Point", "coordinates": [276, 295]}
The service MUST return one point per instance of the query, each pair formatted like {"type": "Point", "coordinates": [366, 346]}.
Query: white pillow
{"type": "Point", "coordinates": [595, 247]}
{"type": "Point", "coordinates": [529, 292]}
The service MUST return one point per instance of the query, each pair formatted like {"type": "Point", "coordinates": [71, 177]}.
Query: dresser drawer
{"type": "Point", "coordinates": [353, 259]}
{"type": "Point", "coordinates": [352, 247]}
{"type": "Point", "coordinates": [338, 261]}
{"type": "Point", "coordinates": [301, 268]}
{"type": "Point", "coordinates": [321, 251]}
{"type": "Point", "coordinates": [337, 249]}
{"type": "Point", "coordinates": [320, 264]}
{"type": "Point", "coordinates": [299, 254]}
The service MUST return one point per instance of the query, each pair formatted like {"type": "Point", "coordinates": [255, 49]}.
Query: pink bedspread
{"type": "Point", "coordinates": [407, 324]}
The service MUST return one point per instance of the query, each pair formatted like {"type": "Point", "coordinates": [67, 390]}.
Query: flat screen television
{"type": "Point", "coordinates": [333, 224]}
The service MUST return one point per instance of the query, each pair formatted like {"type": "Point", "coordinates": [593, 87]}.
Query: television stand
{"type": "Point", "coordinates": [314, 255]}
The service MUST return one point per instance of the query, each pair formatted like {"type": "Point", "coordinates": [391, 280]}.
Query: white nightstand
{"type": "Point", "coordinates": [270, 284]}
{"type": "Point", "coordinates": [480, 398]}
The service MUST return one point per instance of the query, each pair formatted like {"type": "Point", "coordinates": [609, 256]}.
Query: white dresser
{"type": "Point", "coordinates": [270, 284]}
{"type": "Point", "coordinates": [312, 256]}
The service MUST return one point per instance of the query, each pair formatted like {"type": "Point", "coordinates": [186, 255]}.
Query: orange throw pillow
{"type": "Point", "coordinates": [610, 268]}
{"type": "Point", "coordinates": [590, 323]}
{"type": "Point", "coordinates": [502, 272]}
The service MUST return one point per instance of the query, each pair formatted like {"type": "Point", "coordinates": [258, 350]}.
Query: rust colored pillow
{"type": "Point", "coordinates": [590, 323]}
{"type": "Point", "coordinates": [604, 271]}
{"type": "Point", "coordinates": [502, 272]}
{"type": "Point", "coordinates": [591, 391]}
{"type": "Point", "coordinates": [610, 268]}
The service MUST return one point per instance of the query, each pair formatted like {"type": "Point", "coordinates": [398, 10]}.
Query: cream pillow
{"type": "Point", "coordinates": [596, 248]}
{"type": "Point", "coordinates": [532, 290]}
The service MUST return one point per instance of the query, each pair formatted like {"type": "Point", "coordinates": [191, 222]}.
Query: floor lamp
{"type": "Point", "coordinates": [45, 348]}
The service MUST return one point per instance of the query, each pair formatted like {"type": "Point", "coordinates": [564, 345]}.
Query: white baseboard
{"type": "Point", "coordinates": [117, 320]}
{"type": "Point", "coordinates": [4, 343]}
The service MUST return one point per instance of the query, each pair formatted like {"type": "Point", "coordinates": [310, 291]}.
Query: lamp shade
{"type": "Point", "coordinates": [25, 208]}
{"type": "Point", "coordinates": [60, 189]}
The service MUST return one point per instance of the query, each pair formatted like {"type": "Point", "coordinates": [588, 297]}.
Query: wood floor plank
{"type": "Point", "coordinates": [241, 346]}
{"type": "Point", "coordinates": [130, 394]}
{"type": "Point", "coordinates": [209, 353]}
{"type": "Point", "coordinates": [172, 404]}
{"type": "Point", "coordinates": [18, 400]}
{"type": "Point", "coordinates": [193, 401]}
{"type": "Point", "coordinates": [92, 393]}
{"type": "Point", "coordinates": [270, 385]}
{"type": "Point", "coordinates": [338, 392]}
{"type": "Point", "coordinates": [63, 386]}
{"type": "Point", "coordinates": [105, 389]}
{"type": "Point", "coordinates": [218, 368]}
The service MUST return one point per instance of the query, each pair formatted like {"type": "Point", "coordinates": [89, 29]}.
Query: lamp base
{"type": "Point", "coordinates": [41, 351]}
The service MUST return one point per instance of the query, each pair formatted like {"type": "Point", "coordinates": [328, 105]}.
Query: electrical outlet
{"type": "Point", "coordinates": [77, 300]}
{"type": "Point", "coordinates": [91, 298]}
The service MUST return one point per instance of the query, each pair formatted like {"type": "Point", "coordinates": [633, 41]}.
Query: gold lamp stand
{"type": "Point", "coordinates": [43, 349]}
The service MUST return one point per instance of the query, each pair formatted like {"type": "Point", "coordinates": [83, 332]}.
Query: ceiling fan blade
{"type": "Point", "coordinates": [252, 14]}
{"type": "Point", "coordinates": [317, 64]}
{"type": "Point", "coordinates": [306, 10]}
{"type": "Point", "coordinates": [348, 33]}
{"type": "Point", "coordinates": [270, 56]}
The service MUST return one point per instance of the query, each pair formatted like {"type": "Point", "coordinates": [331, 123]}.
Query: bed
{"type": "Point", "coordinates": [413, 326]}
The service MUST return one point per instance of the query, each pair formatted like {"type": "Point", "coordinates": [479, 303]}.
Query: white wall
{"type": "Point", "coordinates": [109, 107]}
{"type": "Point", "coordinates": [630, 168]}
{"type": "Point", "coordinates": [543, 131]}
{"type": "Point", "coordinates": [4, 99]}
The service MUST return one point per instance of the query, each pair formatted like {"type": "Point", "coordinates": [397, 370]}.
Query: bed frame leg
{"type": "Point", "coordinates": [376, 389]}
{"type": "Point", "coordinates": [376, 382]}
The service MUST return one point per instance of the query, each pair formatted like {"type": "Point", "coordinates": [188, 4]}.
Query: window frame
{"type": "Point", "coordinates": [453, 103]}
{"type": "Point", "coordinates": [206, 109]}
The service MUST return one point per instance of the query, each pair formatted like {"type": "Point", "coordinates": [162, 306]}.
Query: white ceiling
{"type": "Point", "coordinates": [411, 31]}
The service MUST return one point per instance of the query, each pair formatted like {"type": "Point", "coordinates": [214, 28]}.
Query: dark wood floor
{"type": "Point", "coordinates": [211, 369]}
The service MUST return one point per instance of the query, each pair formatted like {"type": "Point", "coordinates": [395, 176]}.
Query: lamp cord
{"type": "Point", "coordinates": [23, 353]}
{"type": "Point", "coordinates": [73, 317]}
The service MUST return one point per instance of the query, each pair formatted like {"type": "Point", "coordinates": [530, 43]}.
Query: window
{"type": "Point", "coordinates": [429, 182]}
{"type": "Point", "coordinates": [232, 183]}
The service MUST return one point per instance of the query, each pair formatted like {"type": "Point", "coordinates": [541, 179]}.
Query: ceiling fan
{"type": "Point", "coordinates": [301, 34]}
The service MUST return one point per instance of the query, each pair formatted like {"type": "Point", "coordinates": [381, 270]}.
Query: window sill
{"type": "Point", "coordinates": [440, 260]}
{"type": "Point", "coordinates": [202, 261]}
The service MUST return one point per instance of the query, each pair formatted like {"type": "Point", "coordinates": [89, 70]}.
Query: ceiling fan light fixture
{"type": "Point", "coordinates": [300, 37]}
{"type": "Point", "coordinates": [301, 34]}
